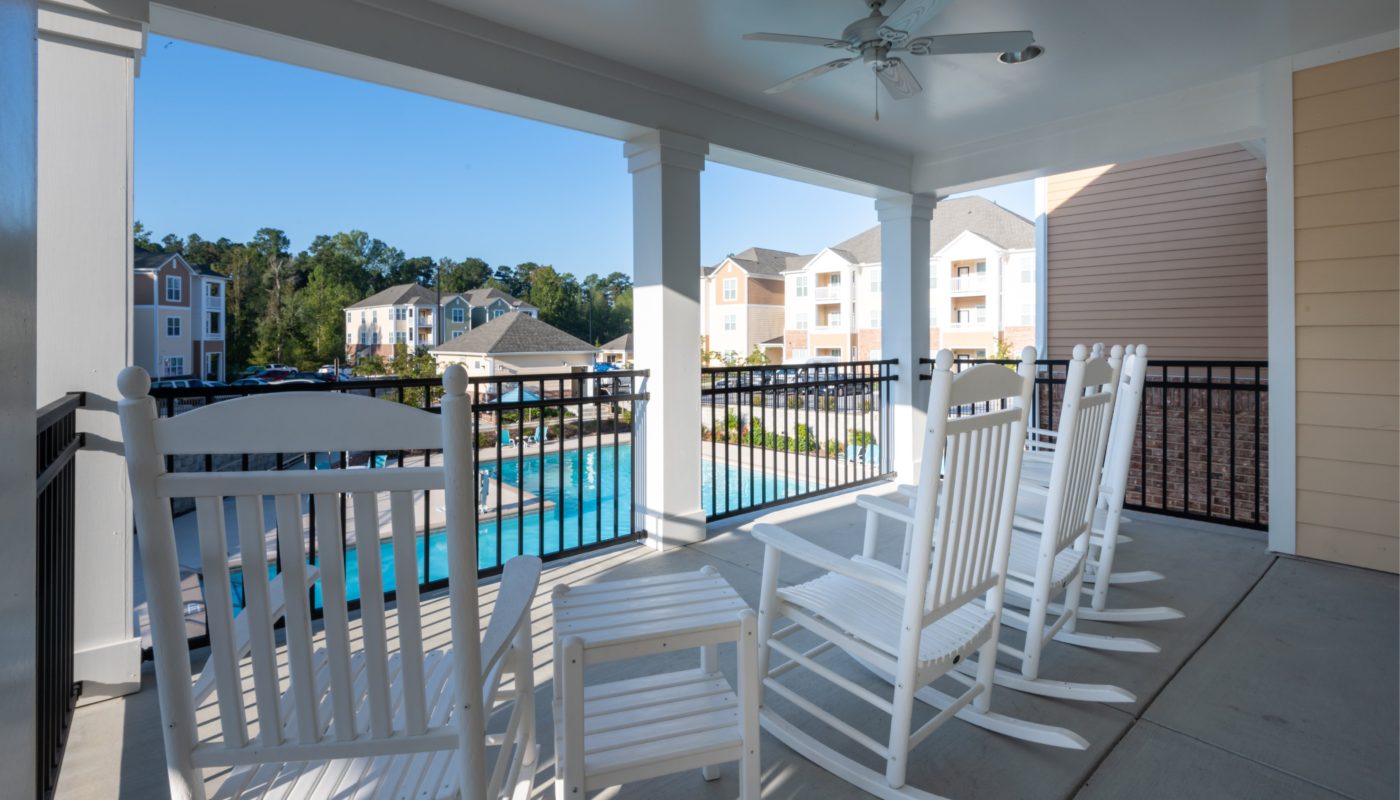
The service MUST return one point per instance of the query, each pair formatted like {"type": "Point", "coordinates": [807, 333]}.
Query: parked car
{"type": "Point", "coordinates": [273, 374]}
{"type": "Point", "coordinates": [249, 382]}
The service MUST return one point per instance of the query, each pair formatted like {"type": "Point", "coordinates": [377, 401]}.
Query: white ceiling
{"type": "Point", "coordinates": [1099, 53]}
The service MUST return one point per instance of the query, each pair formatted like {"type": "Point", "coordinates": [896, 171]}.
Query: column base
{"type": "Point", "coordinates": [667, 530]}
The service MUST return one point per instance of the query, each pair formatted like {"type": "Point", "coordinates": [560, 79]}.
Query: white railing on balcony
{"type": "Point", "coordinates": [830, 292]}
{"type": "Point", "coordinates": [976, 323]}
{"type": "Point", "coordinates": [214, 303]}
{"type": "Point", "coordinates": [969, 283]}
{"type": "Point", "coordinates": [831, 323]}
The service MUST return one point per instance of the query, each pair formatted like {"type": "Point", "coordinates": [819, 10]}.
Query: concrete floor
{"type": "Point", "coordinates": [1279, 682]}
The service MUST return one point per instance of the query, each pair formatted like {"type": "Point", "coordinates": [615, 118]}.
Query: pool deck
{"type": "Point", "coordinates": [1281, 681]}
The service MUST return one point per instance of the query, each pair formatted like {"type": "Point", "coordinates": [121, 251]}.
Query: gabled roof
{"type": "Point", "coordinates": [1002, 228]}
{"type": "Point", "coordinates": [146, 261]}
{"type": "Point", "coordinates": [759, 261]}
{"type": "Point", "coordinates": [401, 295]}
{"type": "Point", "coordinates": [488, 295]}
{"type": "Point", "coordinates": [515, 332]}
{"type": "Point", "coordinates": [622, 343]}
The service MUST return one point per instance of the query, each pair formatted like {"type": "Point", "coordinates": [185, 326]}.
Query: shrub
{"type": "Point", "coordinates": [860, 437]}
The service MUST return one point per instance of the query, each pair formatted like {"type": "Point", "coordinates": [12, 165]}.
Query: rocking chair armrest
{"type": "Point", "coordinates": [242, 638]}
{"type": "Point", "coordinates": [790, 543]}
{"type": "Point", "coordinates": [514, 597]}
{"type": "Point", "coordinates": [886, 507]}
{"type": "Point", "coordinates": [1041, 431]}
{"type": "Point", "coordinates": [1034, 488]}
{"type": "Point", "coordinates": [1027, 524]}
{"type": "Point", "coordinates": [907, 490]}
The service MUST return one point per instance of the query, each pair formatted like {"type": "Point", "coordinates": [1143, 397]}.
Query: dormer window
{"type": "Point", "coordinates": [174, 290]}
{"type": "Point", "coordinates": [459, 315]}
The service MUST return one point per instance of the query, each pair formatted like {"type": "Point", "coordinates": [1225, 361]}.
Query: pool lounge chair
{"type": "Point", "coordinates": [540, 436]}
{"type": "Point", "coordinates": [872, 454]}
{"type": "Point", "coordinates": [506, 441]}
{"type": "Point", "coordinates": [853, 452]}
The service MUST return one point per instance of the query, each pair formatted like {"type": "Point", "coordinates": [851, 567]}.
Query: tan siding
{"type": "Point", "coordinates": [765, 291]}
{"type": "Point", "coordinates": [1347, 218]}
{"type": "Point", "coordinates": [1169, 251]}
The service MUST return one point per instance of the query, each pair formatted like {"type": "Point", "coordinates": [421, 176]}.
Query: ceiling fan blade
{"type": "Point", "coordinates": [955, 43]}
{"type": "Point", "coordinates": [899, 80]}
{"type": "Point", "coordinates": [808, 75]}
{"type": "Point", "coordinates": [793, 38]}
{"type": "Point", "coordinates": [909, 16]}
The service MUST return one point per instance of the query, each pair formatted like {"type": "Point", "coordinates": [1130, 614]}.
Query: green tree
{"type": "Point", "coordinates": [464, 275]}
{"type": "Point", "coordinates": [141, 238]}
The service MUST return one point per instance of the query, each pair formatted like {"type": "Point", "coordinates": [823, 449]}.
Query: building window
{"type": "Point", "coordinates": [834, 279]}
{"type": "Point", "coordinates": [172, 326]}
{"type": "Point", "coordinates": [1027, 314]}
{"type": "Point", "coordinates": [364, 337]}
{"type": "Point", "coordinates": [455, 334]}
{"type": "Point", "coordinates": [799, 288]}
{"type": "Point", "coordinates": [800, 321]}
{"type": "Point", "coordinates": [213, 366]}
{"type": "Point", "coordinates": [214, 323]}
{"type": "Point", "coordinates": [174, 292]}
{"type": "Point", "coordinates": [731, 289]}
{"type": "Point", "coordinates": [459, 315]}
{"type": "Point", "coordinates": [799, 354]}
{"type": "Point", "coordinates": [214, 289]}
{"type": "Point", "coordinates": [731, 322]}
{"type": "Point", "coordinates": [349, 338]}
{"type": "Point", "coordinates": [400, 337]}
{"type": "Point", "coordinates": [401, 314]}
{"type": "Point", "coordinates": [875, 281]}
{"type": "Point", "coordinates": [374, 315]}
{"type": "Point", "coordinates": [175, 365]}
{"type": "Point", "coordinates": [348, 320]}
{"type": "Point", "coordinates": [829, 352]}
{"type": "Point", "coordinates": [875, 318]}
{"type": "Point", "coordinates": [1027, 275]}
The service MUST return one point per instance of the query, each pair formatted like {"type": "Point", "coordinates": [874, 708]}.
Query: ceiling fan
{"type": "Point", "coordinates": [888, 30]}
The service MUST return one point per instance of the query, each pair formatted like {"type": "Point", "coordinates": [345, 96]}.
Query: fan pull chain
{"type": "Point", "coordinates": [875, 73]}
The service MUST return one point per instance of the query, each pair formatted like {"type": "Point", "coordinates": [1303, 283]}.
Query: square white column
{"type": "Point", "coordinates": [665, 169]}
{"type": "Point", "coordinates": [905, 224]}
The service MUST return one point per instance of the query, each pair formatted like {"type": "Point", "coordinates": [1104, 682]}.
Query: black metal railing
{"type": "Point", "coordinates": [554, 465]}
{"type": "Point", "coordinates": [1202, 444]}
{"type": "Point", "coordinates": [776, 434]}
{"type": "Point", "coordinates": [58, 441]}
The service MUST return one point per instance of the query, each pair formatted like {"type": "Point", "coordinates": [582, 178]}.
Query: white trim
{"type": "Point", "coordinates": [1042, 268]}
{"type": "Point", "coordinates": [1283, 399]}
{"type": "Point", "coordinates": [1355, 48]}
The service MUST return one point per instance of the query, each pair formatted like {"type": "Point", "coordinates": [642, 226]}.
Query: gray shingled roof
{"type": "Point", "coordinates": [622, 343]}
{"type": "Point", "coordinates": [403, 294]}
{"type": "Point", "coordinates": [760, 261]}
{"type": "Point", "coordinates": [145, 261]}
{"type": "Point", "coordinates": [515, 332]}
{"type": "Point", "coordinates": [979, 215]}
{"type": "Point", "coordinates": [485, 296]}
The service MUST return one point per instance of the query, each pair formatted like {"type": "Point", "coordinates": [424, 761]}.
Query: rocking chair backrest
{"type": "Point", "coordinates": [397, 678]}
{"type": "Point", "coordinates": [1123, 432]}
{"type": "Point", "coordinates": [1082, 439]}
{"type": "Point", "coordinates": [964, 515]}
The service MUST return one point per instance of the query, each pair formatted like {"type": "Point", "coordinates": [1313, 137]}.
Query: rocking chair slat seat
{"type": "Point", "coordinates": [1025, 551]}
{"type": "Point", "coordinates": [873, 615]}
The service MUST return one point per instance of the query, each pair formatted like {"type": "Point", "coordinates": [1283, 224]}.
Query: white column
{"type": "Point", "coordinates": [905, 222]}
{"type": "Point", "coordinates": [1283, 331]}
{"type": "Point", "coordinates": [18, 135]}
{"type": "Point", "coordinates": [665, 171]}
{"type": "Point", "coordinates": [87, 66]}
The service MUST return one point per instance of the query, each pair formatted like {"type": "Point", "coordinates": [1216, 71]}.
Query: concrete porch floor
{"type": "Point", "coordinates": [1280, 682]}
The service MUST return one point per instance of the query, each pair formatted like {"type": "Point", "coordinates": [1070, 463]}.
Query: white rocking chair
{"type": "Point", "coordinates": [1105, 536]}
{"type": "Point", "coordinates": [357, 717]}
{"type": "Point", "coordinates": [915, 626]}
{"type": "Point", "coordinates": [1048, 556]}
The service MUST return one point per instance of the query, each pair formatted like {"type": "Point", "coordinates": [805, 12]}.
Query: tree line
{"type": "Point", "coordinates": [290, 308]}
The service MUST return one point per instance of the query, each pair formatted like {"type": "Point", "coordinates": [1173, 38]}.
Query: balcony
{"type": "Point", "coordinates": [1208, 714]}
{"type": "Point", "coordinates": [978, 322]}
{"type": "Point", "coordinates": [968, 284]}
{"type": "Point", "coordinates": [829, 293]}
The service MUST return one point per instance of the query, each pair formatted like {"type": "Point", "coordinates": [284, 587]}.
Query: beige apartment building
{"type": "Point", "coordinates": [741, 306]}
{"type": "Point", "coordinates": [412, 314]}
{"type": "Point", "coordinates": [177, 321]}
{"type": "Point", "coordinates": [982, 282]}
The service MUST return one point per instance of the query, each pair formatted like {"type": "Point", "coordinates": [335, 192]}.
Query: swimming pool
{"type": "Point", "coordinates": [589, 491]}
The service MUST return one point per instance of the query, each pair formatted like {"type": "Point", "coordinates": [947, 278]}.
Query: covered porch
{"type": "Point", "coordinates": [1210, 719]}
{"type": "Point", "coordinates": [1280, 679]}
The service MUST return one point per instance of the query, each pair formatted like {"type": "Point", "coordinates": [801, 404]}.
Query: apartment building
{"type": "Point", "coordinates": [741, 307]}
{"type": "Point", "coordinates": [982, 288]}
{"type": "Point", "coordinates": [177, 317]}
{"type": "Point", "coordinates": [408, 314]}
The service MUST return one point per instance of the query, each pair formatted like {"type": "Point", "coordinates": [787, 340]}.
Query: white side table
{"type": "Point", "coordinates": [614, 733]}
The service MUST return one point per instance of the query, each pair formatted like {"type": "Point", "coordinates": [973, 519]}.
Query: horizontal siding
{"type": "Point", "coordinates": [1346, 119]}
{"type": "Point", "coordinates": [1169, 251]}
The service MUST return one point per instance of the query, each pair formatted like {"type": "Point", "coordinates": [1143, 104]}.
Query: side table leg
{"type": "Point", "coordinates": [569, 761]}
{"type": "Point", "coordinates": [709, 664]}
{"type": "Point", "coordinates": [750, 767]}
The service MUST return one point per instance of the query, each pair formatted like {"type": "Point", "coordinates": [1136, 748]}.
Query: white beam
{"type": "Point", "coordinates": [1283, 417]}
{"type": "Point", "coordinates": [665, 171]}
{"type": "Point", "coordinates": [87, 65]}
{"type": "Point", "coordinates": [904, 317]}
{"type": "Point", "coordinates": [18, 213]}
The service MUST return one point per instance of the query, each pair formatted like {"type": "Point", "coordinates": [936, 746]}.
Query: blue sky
{"type": "Point", "coordinates": [227, 144]}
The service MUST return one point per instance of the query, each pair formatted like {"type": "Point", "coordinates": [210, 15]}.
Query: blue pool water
{"type": "Point", "coordinates": [591, 492]}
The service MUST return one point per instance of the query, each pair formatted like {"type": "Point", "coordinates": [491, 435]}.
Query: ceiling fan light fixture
{"type": "Point", "coordinates": [1021, 56]}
